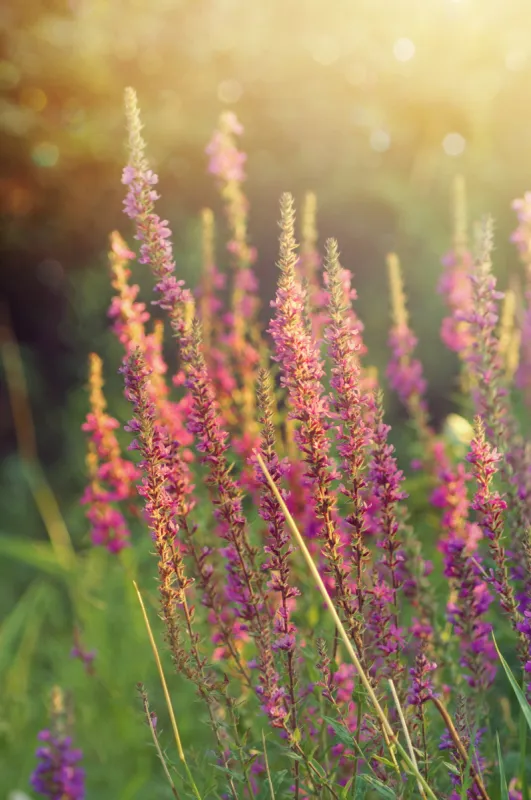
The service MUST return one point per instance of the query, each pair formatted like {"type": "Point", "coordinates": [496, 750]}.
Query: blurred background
{"type": "Point", "coordinates": [373, 104]}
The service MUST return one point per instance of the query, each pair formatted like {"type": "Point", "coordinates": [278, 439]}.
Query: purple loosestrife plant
{"type": "Point", "coordinates": [204, 421]}
{"type": "Point", "coordinates": [471, 740]}
{"type": "Point", "coordinates": [455, 284]}
{"type": "Point", "coordinates": [241, 619]}
{"type": "Point", "coordinates": [226, 163]}
{"type": "Point", "coordinates": [404, 372]}
{"type": "Point", "coordinates": [152, 232]}
{"type": "Point", "coordinates": [279, 547]}
{"type": "Point", "coordinates": [466, 613]}
{"type": "Point", "coordinates": [161, 507]}
{"type": "Point", "coordinates": [301, 374]}
{"type": "Point", "coordinates": [494, 407]}
{"type": "Point", "coordinates": [386, 485]}
{"type": "Point", "coordinates": [58, 775]}
{"type": "Point", "coordinates": [484, 362]}
{"type": "Point", "coordinates": [522, 238]}
{"type": "Point", "coordinates": [348, 403]}
{"type": "Point", "coordinates": [421, 690]}
{"type": "Point", "coordinates": [490, 508]}
{"type": "Point", "coordinates": [111, 476]}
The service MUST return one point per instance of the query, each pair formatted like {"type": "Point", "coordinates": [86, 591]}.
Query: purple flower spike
{"type": "Point", "coordinates": [57, 776]}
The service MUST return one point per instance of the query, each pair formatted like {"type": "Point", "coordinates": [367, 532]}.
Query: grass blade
{"type": "Point", "coordinates": [520, 696]}
{"type": "Point", "coordinates": [158, 662]}
{"type": "Point", "coordinates": [504, 791]}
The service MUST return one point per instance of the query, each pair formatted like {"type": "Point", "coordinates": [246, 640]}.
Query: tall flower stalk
{"type": "Point", "coordinates": [58, 774]}
{"type": "Point", "coordinates": [455, 284]}
{"type": "Point", "coordinates": [301, 373]}
{"type": "Point", "coordinates": [226, 163]}
{"type": "Point", "coordinates": [111, 476]}
{"type": "Point", "coordinates": [348, 403]}
{"type": "Point", "coordinates": [404, 370]}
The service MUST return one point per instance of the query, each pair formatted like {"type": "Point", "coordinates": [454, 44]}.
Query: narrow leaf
{"type": "Point", "coordinates": [504, 791]}
{"type": "Point", "coordinates": [524, 705]}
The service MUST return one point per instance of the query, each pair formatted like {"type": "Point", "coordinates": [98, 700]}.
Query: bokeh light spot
{"type": "Point", "coordinates": [380, 140]}
{"type": "Point", "coordinates": [230, 91]}
{"type": "Point", "coordinates": [515, 60]}
{"type": "Point", "coordinates": [45, 154]}
{"type": "Point", "coordinates": [325, 50]}
{"type": "Point", "coordinates": [404, 49]}
{"type": "Point", "coordinates": [454, 144]}
{"type": "Point", "coordinates": [33, 98]}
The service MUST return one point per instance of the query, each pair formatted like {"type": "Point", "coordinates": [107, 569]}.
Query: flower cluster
{"type": "Point", "coordinates": [111, 476]}
{"type": "Point", "coordinates": [58, 775]}
{"type": "Point", "coordinates": [404, 371]}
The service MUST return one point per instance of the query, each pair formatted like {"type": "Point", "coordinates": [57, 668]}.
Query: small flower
{"type": "Point", "coordinates": [421, 689]}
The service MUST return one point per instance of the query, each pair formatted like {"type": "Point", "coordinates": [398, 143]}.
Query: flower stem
{"type": "Point", "coordinates": [176, 734]}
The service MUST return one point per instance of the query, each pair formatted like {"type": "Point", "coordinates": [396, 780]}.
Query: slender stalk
{"type": "Point", "coordinates": [406, 733]}
{"type": "Point", "coordinates": [460, 746]}
{"type": "Point", "coordinates": [386, 727]}
{"type": "Point", "coordinates": [268, 773]}
{"type": "Point", "coordinates": [145, 704]}
{"type": "Point", "coordinates": [176, 734]}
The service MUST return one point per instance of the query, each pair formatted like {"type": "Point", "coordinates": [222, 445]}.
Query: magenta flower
{"type": "Point", "coordinates": [421, 689]}
{"type": "Point", "coordinates": [404, 371]}
{"type": "Point", "coordinates": [226, 161]}
{"type": "Point", "coordinates": [466, 613]}
{"type": "Point", "coordinates": [111, 476]}
{"type": "Point", "coordinates": [456, 288]}
{"type": "Point", "coordinates": [58, 776]}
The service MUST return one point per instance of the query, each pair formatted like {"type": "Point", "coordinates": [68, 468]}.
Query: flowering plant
{"type": "Point", "coordinates": [309, 605]}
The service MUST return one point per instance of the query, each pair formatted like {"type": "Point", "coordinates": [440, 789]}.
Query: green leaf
{"type": "Point", "coordinates": [32, 553]}
{"type": "Point", "coordinates": [524, 705]}
{"type": "Point", "coordinates": [380, 788]}
{"type": "Point", "coordinates": [342, 733]}
{"type": "Point", "coordinates": [344, 793]}
{"type": "Point", "coordinates": [277, 782]}
{"type": "Point", "coordinates": [451, 767]}
{"type": "Point", "coordinates": [504, 791]}
{"type": "Point", "coordinates": [277, 779]}
{"type": "Point", "coordinates": [12, 628]}
{"type": "Point", "coordinates": [389, 764]}
{"type": "Point", "coordinates": [234, 775]}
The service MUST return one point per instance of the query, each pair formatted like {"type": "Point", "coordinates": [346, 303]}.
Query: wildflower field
{"type": "Point", "coordinates": [264, 590]}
